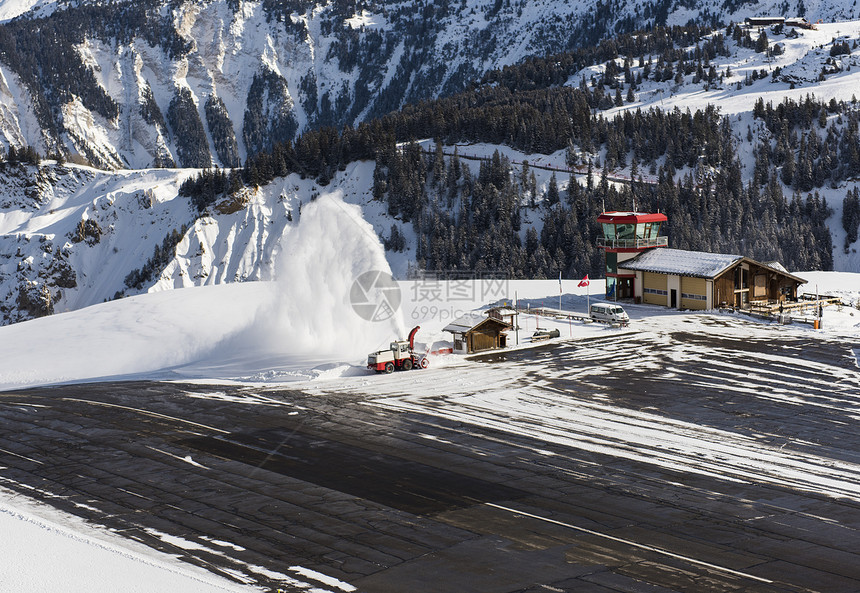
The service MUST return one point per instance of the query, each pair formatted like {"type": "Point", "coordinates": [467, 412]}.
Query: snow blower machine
{"type": "Point", "coordinates": [400, 356]}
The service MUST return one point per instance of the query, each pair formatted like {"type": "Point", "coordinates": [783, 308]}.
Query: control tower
{"type": "Point", "coordinates": [626, 235]}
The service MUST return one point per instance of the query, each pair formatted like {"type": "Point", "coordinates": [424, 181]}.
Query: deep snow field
{"type": "Point", "coordinates": [46, 550]}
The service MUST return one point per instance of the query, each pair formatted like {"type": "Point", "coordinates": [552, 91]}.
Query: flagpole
{"type": "Point", "coordinates": [587, 284]}
{"type": "Point", "coordinates": [517, 316]}
{"type": "Point", "coordinates": [559, 291]}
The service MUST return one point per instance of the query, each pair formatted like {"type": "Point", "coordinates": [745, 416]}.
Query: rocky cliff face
{"type": "Point", "coordinates": [192, 84]}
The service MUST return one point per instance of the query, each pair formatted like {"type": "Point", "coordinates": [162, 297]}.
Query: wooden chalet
{"type": "Point", "coordinates": [764, 21]}
{"type": "Point", "coordinates": [506, 314]}
{"type": "Point", "coordinates": [474, 332]}
{"type": "Point", "coordinates": [681, 279]}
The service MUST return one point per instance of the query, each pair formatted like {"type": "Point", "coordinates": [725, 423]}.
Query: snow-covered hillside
{"type": "Point", "coordinates": [803, 55]}
{"type": "Point", "coordinates": [801, 69]}
{"type": "Point", "coordinates": [71, 236]}
{"type": "Point", "coordinates": [191, 84]}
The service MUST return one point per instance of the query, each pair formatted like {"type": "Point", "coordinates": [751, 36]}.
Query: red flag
{"type": "Point", "coordinates": [583, 282]}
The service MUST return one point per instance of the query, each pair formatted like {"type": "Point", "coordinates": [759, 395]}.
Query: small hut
{"type": "Point", "coordinates": [506, 314]}
{"type": "Point", "coordinates": [473, 332]}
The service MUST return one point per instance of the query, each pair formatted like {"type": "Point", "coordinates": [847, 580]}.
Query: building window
{"type": "Point", "coordinates": [609, 231]}
{"type": "Point", "coordinates": [611, 262]}
{"type": "Point", "coordinates": [693, 297]}
{"type": "Point", "coordinates": [655, 291]}
{"type": "Point", "coordinates": [742, 278]}
{"type": "Point", "coordinates": [625, 231]}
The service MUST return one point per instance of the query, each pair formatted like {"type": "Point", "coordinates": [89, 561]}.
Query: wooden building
{"type": "Point", "coordinates": [506, 314]}
{"type": "Point", "coordinates": [626, 235]}
{"type": "Point", "coordinates": [681, 279]}
{"type": "Point", "coordinates": [474, 332]}
{"type": "Point", "coordinates": [764, 21]}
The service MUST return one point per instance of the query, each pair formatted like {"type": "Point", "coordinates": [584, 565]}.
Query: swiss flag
{"type": "Point", "coordinates": [583, 282]}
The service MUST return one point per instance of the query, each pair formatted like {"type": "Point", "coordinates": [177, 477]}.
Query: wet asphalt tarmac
{"type": "Point", "coordinates": [406, 502]}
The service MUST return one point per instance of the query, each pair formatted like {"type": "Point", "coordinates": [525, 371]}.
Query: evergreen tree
{"type": "Point", "coordinates": [851, 216]}
{"type": "Point", "coordinates": [552, 195]}
{"type": "Point", "coordinates": [762, 42]}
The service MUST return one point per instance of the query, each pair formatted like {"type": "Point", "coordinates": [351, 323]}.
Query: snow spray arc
{"type": "Point", "coordinates": [330, 249]}
{"type": "Point", "coordinates": [375, 296]}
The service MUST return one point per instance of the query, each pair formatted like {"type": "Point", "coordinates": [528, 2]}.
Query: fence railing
{"type": "Point", "coordinates": [614, 243]}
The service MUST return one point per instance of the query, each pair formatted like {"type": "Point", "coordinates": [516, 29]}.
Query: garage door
{"type": "Point", "coordinates": [654, 289]}
{"type": "Point", "coordinates": [694, 293]}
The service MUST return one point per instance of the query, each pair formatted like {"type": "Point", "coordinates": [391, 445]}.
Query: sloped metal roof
{"type": "Point", "coordinates": [464, 323]}
{"type": "Point", "coordinates": [776, 266]}
{"type": "Point", "coordinates": [468, 321]}
{"type": "Point", "coordinates": [699, 264]}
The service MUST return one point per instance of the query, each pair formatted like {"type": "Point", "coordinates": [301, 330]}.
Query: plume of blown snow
{"type": "Point", "coordinates": [320, 259]}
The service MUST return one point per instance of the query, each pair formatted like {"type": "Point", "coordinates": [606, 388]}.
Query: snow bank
{"type": "Point", "coordinates": [46, 550]}
{"type": "Point", "coordinates": [139, 335]}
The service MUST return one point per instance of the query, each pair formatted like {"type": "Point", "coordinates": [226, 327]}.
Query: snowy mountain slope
{"type": "Point", "coordinates": [795, 74]}
{"type": "Point", "coordinates": [244, 245]}
{"type": "Point", "coordinates": [70, 236]}
{"type": "Point", "coordinates": [800, 66]}
{"type": "Point", "coordinates": [10, 9]}
{"type": "Point", "coordinates": [199, 83]}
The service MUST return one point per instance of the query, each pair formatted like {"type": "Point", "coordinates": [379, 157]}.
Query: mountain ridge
{"type": "Point", "coordinates": [197, 84]}
{"type": "Point", "coordinates": [73, 236]}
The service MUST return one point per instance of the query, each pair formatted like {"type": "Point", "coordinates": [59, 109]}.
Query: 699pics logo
{"type": "Point", "coordinates": [375, 296]}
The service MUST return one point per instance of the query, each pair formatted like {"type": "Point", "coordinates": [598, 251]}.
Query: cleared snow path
{"type": "Point", "coordinates": [721, 405]}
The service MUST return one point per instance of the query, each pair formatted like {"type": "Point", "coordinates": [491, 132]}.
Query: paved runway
{"type": "Point", "coordinates": [258, 483]}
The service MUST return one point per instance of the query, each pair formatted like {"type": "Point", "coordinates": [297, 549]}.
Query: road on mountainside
{"type": "Point", "coordinates": [385, 493]}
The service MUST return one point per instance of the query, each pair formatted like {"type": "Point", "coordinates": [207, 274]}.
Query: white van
{"type": "Point", "coordinates": [609, 314]}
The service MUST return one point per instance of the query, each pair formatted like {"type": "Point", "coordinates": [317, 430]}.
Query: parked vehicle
{"type": "Point", "coordinates": [545, 334]}
{"type": "Point", "coordinates": [606, 313]}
